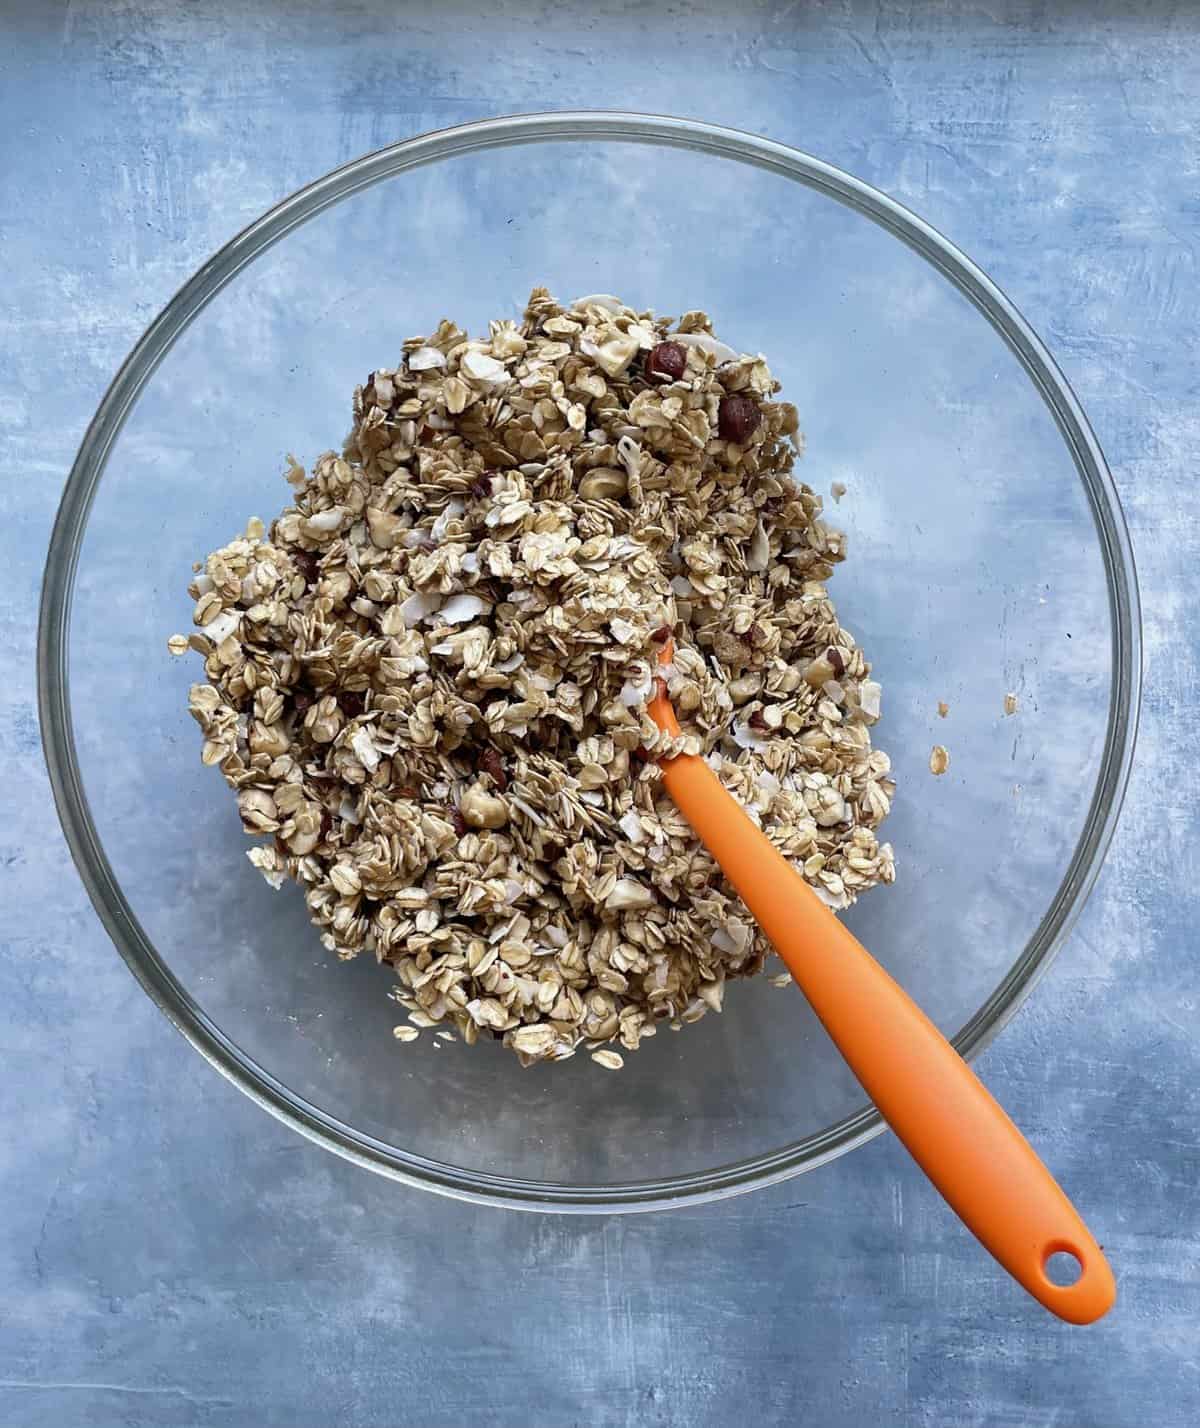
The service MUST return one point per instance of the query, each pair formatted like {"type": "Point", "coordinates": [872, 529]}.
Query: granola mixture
{"type": "Point", "coordinates": [427, 681]}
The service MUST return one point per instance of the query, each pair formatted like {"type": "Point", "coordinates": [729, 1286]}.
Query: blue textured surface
{"type": "Point", "coordinates": [170, 1256]}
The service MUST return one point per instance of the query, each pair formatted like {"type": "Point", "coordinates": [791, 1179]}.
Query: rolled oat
{"type": "Point", "coordinates": [427, 681]}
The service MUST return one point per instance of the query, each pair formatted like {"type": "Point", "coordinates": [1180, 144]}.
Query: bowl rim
{"type": "Point", "coordinates": [57, 597]}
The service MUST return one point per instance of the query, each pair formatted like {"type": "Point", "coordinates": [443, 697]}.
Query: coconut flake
{"type": "Point", "coordinates": [222, 626]}
{"type": "Point", "coordinates": [630, 455]}
{"type": "Point", "coordinates": [470, 562]}
{"type": "Point", "coordinates": [481, 367]}
{"type": "Point", "coordinates": [631, 825]}
{"type": "Point", "coordinates": [364, 749]}
{"type": "Point", "coordinates": [870, 697]}
{"type": "Point", "coordinates": [758, 557]}
{"type": "Point", "coordinates": [604, 300]}
{"type": "Point", "coordinates": [746, 738]}
{"type": "Point", "coordinates": [706, 343]}
{"type": "Point", "coordinates": [425, 358]}
{"type": "Point", "coordinates": [628, 893]}
{"type": "Point", "coordinates": [768, 782]}
{"type": "Point", "coordinates": [723, 942]}
{"type": "Point", "coordinates": [461, 608]}
{"type": "Point", "coordinates": [273, 876]}
{"type": "Point", "coordinates": [419, 607]}
{"type": "Point", "coordinates": [325, 521]}
{"type": "Point", "coordinates": [613, 356]}
{"type": "Point", "coordinates": [632, 694]}
{"type": "Point", "coordinates": [454, 509]}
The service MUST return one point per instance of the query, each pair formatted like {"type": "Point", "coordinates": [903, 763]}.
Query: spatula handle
{"type": "Point", "coordinates": [957, 1133]}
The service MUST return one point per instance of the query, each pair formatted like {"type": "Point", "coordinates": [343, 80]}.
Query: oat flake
{"type": "Point", "coordinates": [426, 679]}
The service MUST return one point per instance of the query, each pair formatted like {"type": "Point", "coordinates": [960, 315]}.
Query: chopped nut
{"type": "Point", "coordinates": [943, 708]}
{"type": "Point", "coordinates": [603, 483]}
{"type": "Point", "coordinates": [481, 809]}
{"type": "Point", "coordinates": [939, 760]}
{"type": "Point", "coordinates": [1010, 704]}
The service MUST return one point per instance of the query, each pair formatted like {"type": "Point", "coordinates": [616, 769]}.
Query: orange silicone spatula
{"type": "Point", "coordinates": [959, 1136]}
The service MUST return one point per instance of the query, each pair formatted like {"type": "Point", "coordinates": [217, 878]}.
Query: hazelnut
{"type": "Point", "coordinates": [603, 483]}
{"type": "Point", "coordinates": [481, 809]}
{"type": "Point", "coordinates": [737, 419]}
{"type": "Point", "coordinates": [668, 360]}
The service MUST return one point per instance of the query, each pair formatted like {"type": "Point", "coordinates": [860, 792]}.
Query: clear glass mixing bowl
{"type": "Point", "coordinates": [987, 555]}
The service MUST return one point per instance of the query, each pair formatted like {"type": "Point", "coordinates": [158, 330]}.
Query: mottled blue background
{"type": "Point", "coordinates": [171, 1256]}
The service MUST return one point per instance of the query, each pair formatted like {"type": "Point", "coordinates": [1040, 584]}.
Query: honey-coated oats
{"type": "Point", "coordinates": [427, 680]}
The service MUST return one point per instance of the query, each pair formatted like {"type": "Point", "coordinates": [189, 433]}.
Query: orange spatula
{"type": "Point", "coordinates": [959, 1136]}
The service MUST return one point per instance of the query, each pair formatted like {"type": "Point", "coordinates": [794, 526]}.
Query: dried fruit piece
{"type": "Point", "coordinates": [352, 702]}
{"type": "Point", "coordinates": [492, 764]}
{"type": "Point", "coordinates": [307, 564]}
{"type": "Point", "coordinates": [667, 360]}
{"type": "Point", "coordinates": [738, 418]}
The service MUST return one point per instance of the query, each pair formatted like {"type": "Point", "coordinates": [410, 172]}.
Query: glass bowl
{"type": "Point", "coordinates": [988, 555]}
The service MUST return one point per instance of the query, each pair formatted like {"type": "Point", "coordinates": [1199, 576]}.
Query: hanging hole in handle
{"type": "Point", "coordinates": [1062, 1267]}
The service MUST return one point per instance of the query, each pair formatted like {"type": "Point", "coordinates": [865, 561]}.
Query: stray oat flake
{"type": "Point", "coordinates": [426, 679]}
